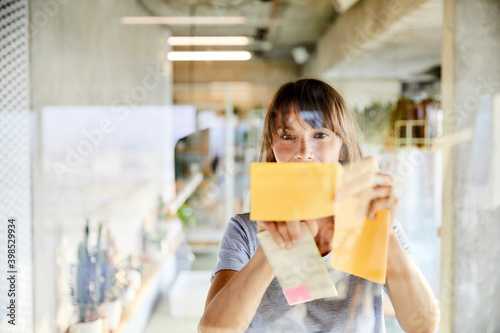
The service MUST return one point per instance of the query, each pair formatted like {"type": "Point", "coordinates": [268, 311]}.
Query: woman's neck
{"type": "Point", "coordinates": [324, 237]}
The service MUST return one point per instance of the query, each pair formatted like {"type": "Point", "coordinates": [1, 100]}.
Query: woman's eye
{"type": "Point", "coordinates": [286, 137]}
{"type": "Point", "coordinates": [321, 135]}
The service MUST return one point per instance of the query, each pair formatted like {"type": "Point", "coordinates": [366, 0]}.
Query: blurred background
{"type": "Point", "coordinates": [127, 128]}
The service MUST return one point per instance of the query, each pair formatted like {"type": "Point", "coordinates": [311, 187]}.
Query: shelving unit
{"type": "Point", "coordinates": [194, 148]}
{"type": "Point", "coordinates": [135, 316]}
{"type": "Point", "coordinates": [187, 190]}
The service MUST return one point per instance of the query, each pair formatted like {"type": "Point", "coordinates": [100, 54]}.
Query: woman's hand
{"type": "Point", "coordinates": [363, 180]}
{"type": "Point", "coordinates": [285, 232]}
{"type": "Point", "coordinates": [374, 189]}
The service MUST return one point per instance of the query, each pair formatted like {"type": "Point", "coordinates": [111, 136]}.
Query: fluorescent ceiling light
{"type": "Point", "coordinates": [184, 20]}
{"type": "Point", "coordinates": [207, 56]}
{"type": "Point", "coordinates": [226, 40]}
{"type": "Point", "coordinates": [230, 84]}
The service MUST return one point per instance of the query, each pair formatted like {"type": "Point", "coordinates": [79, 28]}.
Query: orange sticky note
{"type": "Point", "coordinates": [302, 191]}
{"type": "Point", "coordinates": [291, 191]}
{"type": "Point", "coordinates": [359, 246]}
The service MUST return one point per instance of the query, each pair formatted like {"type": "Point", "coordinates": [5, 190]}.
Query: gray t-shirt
{"type": "Point", "coordinates": [358, 308]}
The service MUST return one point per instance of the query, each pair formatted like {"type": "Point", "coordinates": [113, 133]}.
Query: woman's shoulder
{"type": "Point", "coordinates": [243, 222]}
{"type": "Point", "coordinates": [241, 233]}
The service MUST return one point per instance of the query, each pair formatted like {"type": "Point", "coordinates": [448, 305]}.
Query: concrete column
{"type": "Point", "coordinates": [470, 291]}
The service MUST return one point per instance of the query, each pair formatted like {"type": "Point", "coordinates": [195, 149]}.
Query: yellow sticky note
{"type": "Point", "coordinates": [302, 191]}
{"type": "Point", "coordinates": [291, 191]}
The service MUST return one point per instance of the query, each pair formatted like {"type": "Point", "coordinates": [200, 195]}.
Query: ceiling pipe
{"type": "Point", "coordinates": [262, 36]}
{"type": "Point", "coordinates": [272, 17]}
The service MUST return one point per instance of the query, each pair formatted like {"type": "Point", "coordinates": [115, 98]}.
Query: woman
{"type": "Point", "coordinates": [307, 121]}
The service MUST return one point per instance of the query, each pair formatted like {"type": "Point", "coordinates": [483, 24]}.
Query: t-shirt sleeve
{"type": "Point", "coordinates": [234, 250]}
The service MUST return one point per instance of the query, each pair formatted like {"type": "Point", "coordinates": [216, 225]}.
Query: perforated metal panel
{"type": "Point", "coordinates": [15, 183]}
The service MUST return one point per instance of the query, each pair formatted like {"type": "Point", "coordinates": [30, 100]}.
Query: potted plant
{"type": "Point", "coordinates": [112, 310]}
{"type": "Point", "coordinates": [110, 305]}
{"type": "Point", "coordinates": [129, 282]}
{"type": "Point", "coordinates": [162, 209]}
{"type": "Point", "coordinates": [187, 217]}
{"type": "Point", "coordinates": [157, 244]}
{"type": "Point", "coordinates": [84, 290]}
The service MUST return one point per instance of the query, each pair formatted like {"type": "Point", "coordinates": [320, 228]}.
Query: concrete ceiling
{"type": "Point", "coordinates": [283, 24]}
{"type": "Point", "coordinates": [405, 49]}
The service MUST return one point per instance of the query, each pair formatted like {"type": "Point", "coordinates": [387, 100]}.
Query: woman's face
{"type": "Point", "coordinates": [299, 142]}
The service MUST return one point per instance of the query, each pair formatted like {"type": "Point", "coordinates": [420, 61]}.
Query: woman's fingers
{"type": "Point", "coordinates": [365, 198]}
{"type": "Point", "coordinates": [355, 186]}
{"type": "Point", "coordinates": [393, 203]}
{"type": "Point", "coordinates": [289, 232]}
{"type": "Point", "coordinates": [357, 177]}
{"type": "Point", "coordinates": [261, 225]}
{"type": "Point", "coordinates": [382, 188]}
{"type": "Point", "coordinates": [363, 181]}
{"type": "Point", "coordinates": [375, 206]}
{"type": "Point", "coordinates": [294, 229]}
{"type": "Point", "coordinates": [367, 164]}
{"type": "Point", "coordinates": [272, 228]}
{"type": "Point", "coordinates": [283, 233]}
{"type": "Point", "coordinates": [313, 226]}
{"type": "Point", "coordinates": [383, 197]}
{"type": "Point", "coordinates": [381, 192]}
{"type": "Point", "coordinates": [383, 179]}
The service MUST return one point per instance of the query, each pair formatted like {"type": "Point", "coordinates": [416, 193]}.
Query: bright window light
{"type": "Point", "coordinates": [209, 56]}
{"type": "Point", "coordinates": [212, 40]}
{"type": "Point", "coordinates": [184, 20]}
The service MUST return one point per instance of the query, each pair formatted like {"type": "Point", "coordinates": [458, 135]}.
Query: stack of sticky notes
{"type": "Point", "coordinates": [302, 191]}
{"type": "Point", "coordinates": [300, 271]}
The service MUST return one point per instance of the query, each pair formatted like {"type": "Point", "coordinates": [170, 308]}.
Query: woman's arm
{"type": "Point", "coordinates": [234, 297]}
{"type": "Point", "coordinates": [413, 300]}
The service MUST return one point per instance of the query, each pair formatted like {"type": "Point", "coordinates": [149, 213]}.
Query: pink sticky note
{"type": "Point", "coordinates": [298, 294]}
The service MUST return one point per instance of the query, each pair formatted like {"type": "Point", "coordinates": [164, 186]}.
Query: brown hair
{"type": "Point", "coordinates": [311, 95]}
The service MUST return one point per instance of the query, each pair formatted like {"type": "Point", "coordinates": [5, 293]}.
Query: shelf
{"type": "Point", "coordinates": [195, 149]}
{"type": "Point", "coordinates": [187, 190]}
{"type": "Point", "coordinates": [135, 315]}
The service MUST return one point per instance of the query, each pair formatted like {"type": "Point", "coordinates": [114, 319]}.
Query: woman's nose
{"type": "Point", "coordinates": [304, 151]}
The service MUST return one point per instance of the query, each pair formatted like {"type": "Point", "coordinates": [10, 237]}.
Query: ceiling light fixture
{"type": "Point", "coordinates": [212, 40]}
{"type": "Point", "coordinates": [184, 20]}
{"type": "Point", "coordinates": [209, 56]}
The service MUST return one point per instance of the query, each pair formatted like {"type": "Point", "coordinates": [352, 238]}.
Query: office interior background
{"type": "Point", "coordinates": [126, 140]}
